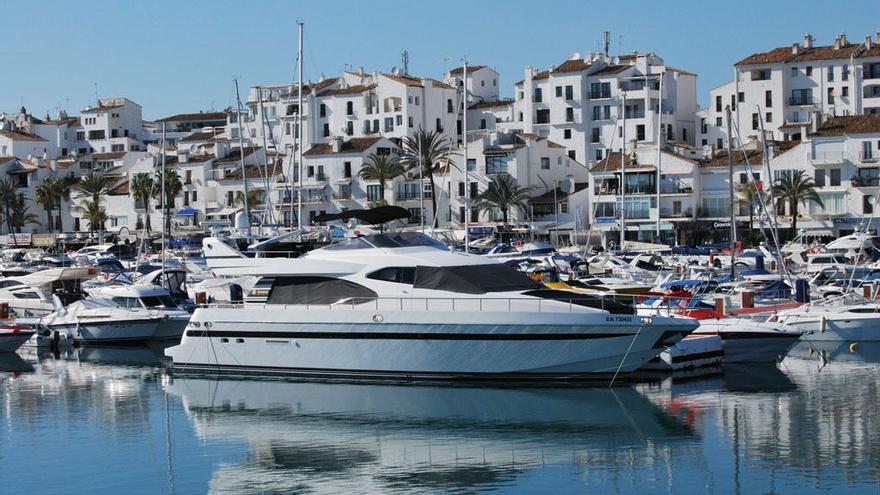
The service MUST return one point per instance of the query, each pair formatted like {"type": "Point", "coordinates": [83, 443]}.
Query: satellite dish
{"type": "Point", "coordinates": [567, 185]}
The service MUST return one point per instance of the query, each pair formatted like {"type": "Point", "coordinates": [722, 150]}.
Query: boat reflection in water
{"type": "Point", "coordinates": [378, 438]}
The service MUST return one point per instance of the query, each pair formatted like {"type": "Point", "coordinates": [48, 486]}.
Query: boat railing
{"type": "Point", "coordinates": [612, 304]}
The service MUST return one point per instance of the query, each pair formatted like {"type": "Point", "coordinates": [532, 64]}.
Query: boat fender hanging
{"type": "Point", "coordinates": [822, 324]}
{"type": "Point", "coordinates": [854, 347]}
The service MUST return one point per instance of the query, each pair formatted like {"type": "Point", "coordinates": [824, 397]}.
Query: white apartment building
{"type": "Point", "coordinates": [483, 82]}
{"type": "Point", "coordinates": [789, 86]}
{"type": "Point", "coordinates": [114, 124]}
{"type": "Point", "coordinates": [583, 102]}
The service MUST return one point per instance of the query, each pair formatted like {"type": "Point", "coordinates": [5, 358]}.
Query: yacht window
{"type": "Point", "coordinates": [316, 290]}
{"type": "Point", "coordinates": [355, 243]}
{"type": "Point", "coordinates": [126, 302]}
{"type": "Point", "coordinates": [472, 279]}
{"type": "Point", "coordinates": [401, 275]}
{"type": "Point", "coordinates": [863, 310]}
{"type": "Point", "coordinates": [157, 301]}
{"type": "Point", "coordinates": [9, 283]}
{"type": "Point", "coordinates": [26, 295]}
{"type": "Point", "coordinates": [581, 299]}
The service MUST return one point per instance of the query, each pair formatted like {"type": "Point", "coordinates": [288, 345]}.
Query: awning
{"type": "Point", "coordinates": [229, 210]}
{"type": "Point", "coordinates": [187, 212]}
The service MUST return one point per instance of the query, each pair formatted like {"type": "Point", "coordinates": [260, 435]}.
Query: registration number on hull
{"type": "Point", "coordinates": [618, 319]}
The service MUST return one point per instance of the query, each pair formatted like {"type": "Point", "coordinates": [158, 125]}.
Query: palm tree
{"type": "Point", "coordinates": [426, 150]}
{"type": "Point", "coordinates": [20, 214]}
{"type": "Point", "coordinates": [382, 168]}
{"type": "Point", "coordinates": [93, 213]}
{"type": "Point", "coordinates": [173, 186]}
{"type": "Point", "coordinates": [142, 190]}
{"type": "Point", "coordinates": [253, 198]}
{"type": "Point", "coordinates": [504, 194]}
{"type": "Point", "coordinates": [7, 198]}
{"type": "Point", "coordinates": [751, 197]}
{"type": "Point", "coordinates": [50, 193]}
{"type": "Point", "coordinates": [796, 187]}
{"type": "Point", "coordinates": [93, 186]}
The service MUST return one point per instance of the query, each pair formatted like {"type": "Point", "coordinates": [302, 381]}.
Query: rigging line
{"type": "Point", "coordinates": [623, 360]}
{"type": "Point", "coordinates": [766, 212]}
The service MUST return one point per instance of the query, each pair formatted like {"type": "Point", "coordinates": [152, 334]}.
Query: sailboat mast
{"type": "Point", "coordinates": [659, 149]}
{"type": "Point", "coordinates": [623, 176]}
{"type": "Point", "coordinates": [467, 186]}
{"type": "Point", "coordinates": [299, 124]}
{"type": "Point", "coordinates": [247, 210]}
{"type": "Point", "coordinates": [732, 201]}
{"type": "Point", "coordinates": [263, 125]}
{"type": "Point", "coordinates": [164, 206]}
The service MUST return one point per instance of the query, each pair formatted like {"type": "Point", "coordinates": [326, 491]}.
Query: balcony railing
{"type": "Point", "coordinates": [867, 157]}
{"type": "Point", "coordinates": [676, 189]}
{"type": "Point", "coordinates": [802, 101]}
{"type": "Point", "coordinates": [858, 181]}
{"type": "Point", "coordinates": [600, 95]}
{"type": "Point", "coordinates": [828, 157]}
{"type": "Point", "coordinates": [680, 214]}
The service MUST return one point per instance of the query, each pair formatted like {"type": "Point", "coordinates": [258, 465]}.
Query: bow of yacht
{"type": "Point", "coordinates": [402, 306]}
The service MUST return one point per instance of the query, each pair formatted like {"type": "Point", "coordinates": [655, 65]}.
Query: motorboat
{"type": "Point", "coordinates": [744, 340]}
{"type": "Point", "coordinates": [94, 322]}
{"type": "Point", "coordinates": [844, 318]}
{"type": "Point", "coordinates": [403, 306]}
{"type": "Point", "coordinates": [31, 295]}
{"type": "Point", "coordinates": [13, 336]}
{"type": "Point", "coordinates": [148, 297]}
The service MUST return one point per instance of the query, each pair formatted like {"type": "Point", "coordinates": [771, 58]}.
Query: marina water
{"type": "Point", "coordinates": [114, 420]}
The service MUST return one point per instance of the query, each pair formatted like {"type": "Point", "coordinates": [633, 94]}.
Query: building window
{"type": "Point", "coordinates": [389, 124]}
{"type": "Point", "coordinates": [867, 207]}
{"type": "Point", "coordinates": [323, 110]}
{"type": "Point", "coordinates": [399, 120]}
{"type": "Point", "coordinates": [482, 123]}
{"type": "Point", "coordinates": [718, 122]}
{"type": "Point", "coordinates": [754, 121]}
{"type": "Point", "coordinates": [566, 134]}
{"type": "Point", "coordinates": [346, 170]}
{"type": "Point", "coordinates": [542, 116]}
{"type": "Point", "coordinates": [538, 98]}
{"type": "Point", "coordinates": [794, 72]}
{"type": "Point", "coordinates": [545, 163]}
{"type": "Point", "coordinates": [310, 171]}
{"type": "Point", "coordinates": [834, 178]}
{"type": "Point", "coordinates": [597, 131]}
{"type": "Point", "coordinates": [572, 154]}
{"type": "Point", "coordinates": [768, 117]}
{"type": "Point", "coordinates": [438, 125]}
{"type": "Point", "coordinates": [415, 215]}
{"type": "Point", "coordinates": [409, 121]}
{"type": "Point", "coordinates": [819, 177]}
{"type": "Point", "coordinates": [704, 127]}
{"type": "Point", "coordinates": [844, 73]}
{"type": "Point", "coordinates": [349, 108]}
{"type": "Point", "coordinates": [831, 74]}
{"type": "Point", "coordinates": [449, 108]}
{"type": "Point", "coordinates": [326, 130]}
{"type": "Point", "coordinates": [831, 96]}
{"type": "Point", "coordinates": [569, 92]}
{"type": "Point", "coordinates": [809, 71]}
{"type": "Point", "coordinates": [559, 91]}
{"type": "Point", "coordinates": [496, 164]}
{"type": "Point", "coordinates": [417, 100]}
{"type": "Point", "coordinates": [640, 132]}
{"type": "Point", "coordinates": [599, 154]}
{"type": "Point", "coordinates": [741, 97]}
{"type": "Point", "coordinates": [195, 195]}
{"type": "Point", "coordinates": [373, 192]}
{"type": "Point", "coordinates": [472, 164]}
{"type": "Point", "coordinates": [600, 90]}
{"type": "Point", "coordinates": [349, 128]}
{"type": "Point", "coordinates": [718, 104]}
{"type": "Point", "coordinates": [569, 114]}
{"type": "Point", "coordinates": [768, 99]}
{"type": "Point", "coordinates": [684, 134]}
{"type": "Point", "coordinates": [719, 143]}
{"type": "Point", "coordinates": [844, 91]}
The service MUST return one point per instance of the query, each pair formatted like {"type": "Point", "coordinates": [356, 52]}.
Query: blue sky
{"type": "Point", "coordinates": [174, 57]}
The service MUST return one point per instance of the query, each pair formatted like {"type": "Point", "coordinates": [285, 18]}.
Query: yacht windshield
{"type": "Point", "coordinates": [473, 279]}
{"type": "Point", "coordinates": [395, 240]}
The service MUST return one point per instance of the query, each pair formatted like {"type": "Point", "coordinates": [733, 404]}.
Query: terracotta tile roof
{"type": "Point", "coordinates": [754, 157]}
{"type": "Point", "coordinates": [114, 155]}
{"type": "Point", "coordinates": [198, 136]}
{"type": "Point", "coordinates": [351, 90]}
{"type": "Point", "coordinates": [195, 117]}
{"type": "Point", "coordinates": [551, 195]}
{"type": "Point", "coordinates": [490, 104]}
{"type": "Point", "coordinates": [6, 159]}
{"type": "Point", "coordinates": [611, 69]}
{"type": "Point", "coordinates": [100, 108]}
{"type": "Point", "coordinates": [353, 145]}
{"type": "Point", "coordinates": [471, 68]}
{"type": "Point", "coordinates": [576, 65]}
{"type": "Point", "coordinates": [69, 121]}
{"type": "Point", "coordinates": [198, 158]}
{"type": "Point", "coordinates": [551, 144]}
{"type": "Point", "coordinates": [441, 84]}
{"type": "Point", "coordinates": [120, 189]}
{"type": "Point", "coordinates": [851, 124]}
{"type": "Point", "coordinates": [21, 167]}
{"type": "Point", "coordinates": [235, 154]}
{"type": "Point", "coordinates": [544, 74]}
{"type": "Point", "coordinates": [503, 149]}
{"type": "Point", "coordinates": [784, 54]}
{"type": "Point", "coordinates": [408, 80]}
{"type": "Point", "coordinates": [611, 163]}
{"type": "Point", "coordinates": [20, 136]}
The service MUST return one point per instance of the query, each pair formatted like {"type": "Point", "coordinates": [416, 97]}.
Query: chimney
{"type": "Point", "coordinates": [795, 48]}
{"type": "Point", "coordinates": [808, 40]}
{"type": "Point", "coordinates": [868, 43]}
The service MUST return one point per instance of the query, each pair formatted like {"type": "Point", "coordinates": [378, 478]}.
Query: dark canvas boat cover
{"type": "Point", "coordinates": [316, 290]}
{"type": "Point", "coordinates": [373, 216]}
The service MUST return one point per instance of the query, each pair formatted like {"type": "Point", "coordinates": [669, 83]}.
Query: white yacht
{"type": "Point", "coordinates": [845, 318]}
{"type": "Point", "coordinates": [146, 297]}
{"type": "Point", "coordinates": [97, 323]}
{"type": "Point", "coordinates": [403, 306]}
{"type": "Point", "coordinates": [31, 295]}
{"type": "Point", "coordinates": [12, 336]}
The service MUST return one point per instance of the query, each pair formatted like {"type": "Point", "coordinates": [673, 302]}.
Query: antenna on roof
{"type": "Point", "coordinates": [606, 40]}
{"type": "Point", "coordinates": [404, 60]}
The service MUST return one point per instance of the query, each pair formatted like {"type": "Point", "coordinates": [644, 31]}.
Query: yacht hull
{"type": "Point", "coordinates": [745, 341]}
{"type": "Point", "coordinates": [11, 341]}
{"type": "Point", "coordinates": [110, 332]}
{"type": "Point", "coordinates": [171, 328]}
{"type": "Point", "coordinates": [838, 328]}
{"type": "Point", "coordinates": [411, 345]}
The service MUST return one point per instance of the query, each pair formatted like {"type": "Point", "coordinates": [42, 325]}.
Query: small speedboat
{"type": "Point", "coordinates": [89, 322]}
{"type": "Point", "coordinates": [12, 336]}
{"type": "Point", "coordinates": [744, 340]}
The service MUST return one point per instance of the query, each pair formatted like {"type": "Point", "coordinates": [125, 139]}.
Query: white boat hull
{"type": "Point", "coordinates": [837, 328]}
{"type": "Point", "coordinates": [745, 341]}
{"type": "Point", "coordinates": [417, 345]}
{"type": "Point", "coordinates": [172, 327]}
{"type": "Point", "coordinates": [110, 332]}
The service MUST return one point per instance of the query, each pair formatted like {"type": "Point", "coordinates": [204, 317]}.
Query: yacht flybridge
{"type": "Point", "coordinates": [402, 306]}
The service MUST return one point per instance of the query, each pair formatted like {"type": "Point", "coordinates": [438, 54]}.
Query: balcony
{"type": "Point", "coordinates": [410, 196]}
{"type": "Point", "coordinates": [342, 195]}
{"type": "Point", "coordinates": [686, 213]}
{"type": "Point", "coordinates": [802, 101]}
{"type": "Point", "coordinates": [828, 158]}
{"type": "Point", "coordinates": [865, 181]}
{"type": "Point", "coordinates": [600, 95]}
{"type": "Point", "coordinates": [867, 157]}
{"type": "Point", "coordinates": [675, 188]}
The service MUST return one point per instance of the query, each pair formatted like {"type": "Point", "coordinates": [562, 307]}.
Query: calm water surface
{"type": "Point", "coordinates": [114, 421]}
